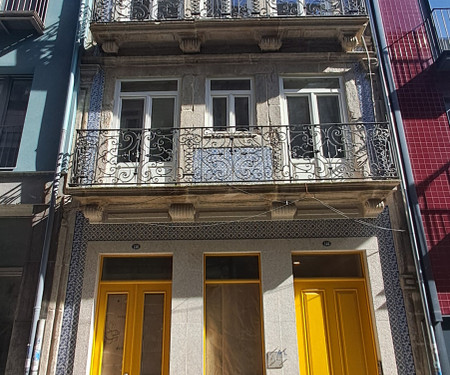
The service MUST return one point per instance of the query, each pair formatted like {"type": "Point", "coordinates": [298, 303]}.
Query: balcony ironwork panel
{"type": "Point", "coordinates": [147, 10]}
{"type": "Point", "coordinates": [191, 156]}
{"type": "Point", "coordinates": [38, 6]}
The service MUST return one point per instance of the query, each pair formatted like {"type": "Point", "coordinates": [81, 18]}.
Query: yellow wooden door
{"type": "Point", "coordinates": [335, 333]}
{"type": "Point", "coordinates": [132, 329]}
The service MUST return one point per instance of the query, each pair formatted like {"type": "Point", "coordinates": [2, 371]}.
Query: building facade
{"type": "Point", "coordinates": [235, 203]}
{"type": "Point", "coordinates": [36, 43]}
{"type": "Point", "coordinates": [418, 48]}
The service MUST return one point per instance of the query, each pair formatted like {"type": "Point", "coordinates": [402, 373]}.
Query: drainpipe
{"type": "Point", "coordinates": [34, 351]}
{"type": "Point", "coordinates": [427, 286]}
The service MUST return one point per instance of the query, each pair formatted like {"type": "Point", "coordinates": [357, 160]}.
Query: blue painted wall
{"type": "Point", "coordinates": [47, 59]}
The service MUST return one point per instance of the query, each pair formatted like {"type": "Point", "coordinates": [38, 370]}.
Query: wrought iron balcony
{"type": "Point", "coordinates": [23, 15]}
{"type": "Point", "coordinates": [147, 10]}
{"type": "Point", "coordinates": [254, 155]}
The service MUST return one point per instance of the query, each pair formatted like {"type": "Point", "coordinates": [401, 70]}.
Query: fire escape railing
{"type": "Point", "coordinates": [440, 18]}
{"type": "Point", "coordinates": [147, 10]}
{"type": "Point", "coordinates": [263, 154]}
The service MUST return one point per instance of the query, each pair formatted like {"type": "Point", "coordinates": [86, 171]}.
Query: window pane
{"type": "Point", "coordinates": [130, 141]}
{"type": "Point", "coordinates": [220, 114]}
{"type": "Point", "coordinates": [132, 115]}
{"type": "Point", "coordinates": [137, 268]}
{"type": "Point", "coordinates": [242, 116]}
{"type": "Point", "coordinates": [139, 86]}
{"type": "Point", "coordinates": [310, 83]}
{"type": "Point", "coordinates": [301, 141]}
{"type": "Point", "coordinates": [329, 113]}
{"type": "Point", "coordinates": [329, 265]}
{"type": "Point", "coordinates": [232, 267]}
{"type": "Point", "coordinates": [17, 104]}
{"type": "Point", "coordinates": [287, 7]}
{"type": "Point", "coordinates": [161, 135]}
{"type": "Point", "coordinates": [230, 84]}
{"type": "Point", "coordinates": [113, 337]}
{"type": "Point", "coordinates": [152, 334]}
{"type": "Point", "coordinates": [233, 329]}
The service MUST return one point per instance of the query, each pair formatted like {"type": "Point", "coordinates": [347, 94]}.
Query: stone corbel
{"type": "Point", "coordinates": [110, 46]}
{"type": "Point", "coordinates": [349, 41]}
{"type": "Point", "coordinates": [182, 212]}
{"type": "Point", "coordinates": [270, 43]}
{"type": "Point", "coordinates": [283, 211]}
{"type": "Point", "coordinates": [94, 213]}
{"type": "Point", "coordinates": [190, 45]}
{"type": "Point", "coordinates": [373, 207]}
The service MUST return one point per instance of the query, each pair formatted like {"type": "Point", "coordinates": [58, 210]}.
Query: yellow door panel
{"type": "Point", "coordinates": [316, 339]}
{"type": "Point", "coordinates": [131, 319]}
{"type": "Point", "coordinates": [334, 327]}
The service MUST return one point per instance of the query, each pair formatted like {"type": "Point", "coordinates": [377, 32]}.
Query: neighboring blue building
{"type": "Point", "coordinates": [36, 49]}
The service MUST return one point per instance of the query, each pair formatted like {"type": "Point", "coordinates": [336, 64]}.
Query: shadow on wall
{"type": "Point", "coordinates": [49, 58]}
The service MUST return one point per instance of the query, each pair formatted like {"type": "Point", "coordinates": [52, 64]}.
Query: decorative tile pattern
{"type": "Point", "coordinates": [66, 352]}
{"type": "Point", "coordinates": [394, 298]}
{"type": "Point", "coordinates": [339, 228]}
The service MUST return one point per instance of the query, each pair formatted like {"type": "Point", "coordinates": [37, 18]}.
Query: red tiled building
{"type": "Point", "coordinates": [418, 46]}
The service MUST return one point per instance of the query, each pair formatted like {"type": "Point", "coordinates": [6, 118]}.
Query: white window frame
{"type": "Point", "coordinates": [230, 95]}
{"type": "Point", "coordinates": [312, 94]}
{"type": "Point", "coordinates": [141, 165]}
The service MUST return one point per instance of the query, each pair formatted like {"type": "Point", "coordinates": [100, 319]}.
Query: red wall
{"type": "Point", "coordinates": [426, 127]}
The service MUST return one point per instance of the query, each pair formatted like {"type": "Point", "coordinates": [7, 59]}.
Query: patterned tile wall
{"type": "Point", "coordinates": [340, 228]}
{"type": "Point", "coordinates": [427, 129]}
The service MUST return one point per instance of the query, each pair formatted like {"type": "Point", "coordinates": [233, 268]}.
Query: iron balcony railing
{"type": "Point", "coordinates": [9, 145]}
{"type": "Point", "coordinates": [441, 23]}
{"type": "Point", "coordinates": [202, 155]}
{"type": "Point", "coordinates": [38, 6]}
{"type": "Point", "coordinates": [147, 10]}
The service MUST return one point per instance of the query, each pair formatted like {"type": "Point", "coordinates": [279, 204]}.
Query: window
{"type": "Point", "coordinates": [155, 9]}
{"type": "Point", "coordinates": [132, 330]}
{"type": "Point", "coordinates": [230, 104]}
{"type": "Point", "coordinates": [14, 94]}
{"type": "Point", "coordinates": [146, 121]}
{"type": "Point", "coordinates": [313, 111]}
{"type": "Point", "coordinates": [228, 8]}
{"type": "Point", "coordinates": [233, 315]}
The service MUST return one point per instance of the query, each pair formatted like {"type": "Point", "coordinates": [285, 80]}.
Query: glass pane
{"type": "Point", "coordinates": [161, 135]}
{"type": "Point", "coordinates": [140, 86]}
{"type": "Point", "coordinates": [242, 116]}
{"type": "Point", "coordinates": [329, 265]}
{"type": "Point", "coordinates": [168, 9]}
{"type": "Point", "coordinates": [137, 268]}
{"type": "Point", "coordinates": [17, 104]}
{"type": "Point", "coordinates": [113, 337]}
{"type": "Point", "coordinates": [233, 329]}
{"type": "Point", "coordinates": [230, 84]}
{"type": "Point", "coordinates": [220, 114]}
{"type": "Point", "coordinates": [152, 334]}
{"type": "Point", "coordinates": [301, 141]}
{"type": "Point", "coordinates": [329, 113]}
{"type": "Point", "coordinates": [287, 7]}
{"type": "Point", "coordinates": [310, 83]}
{"type": "Point", "coordinates": [130, 141]}
{"type": "Point", "coordinates": [232, 268]}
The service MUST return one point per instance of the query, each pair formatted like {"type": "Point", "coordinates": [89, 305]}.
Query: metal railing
{"type": "Point", "coordinates": [38, 6]}
{"type": "Point", "coordinates": [190, 156]}
{"type": "Point", "coordinates": [9, 145]}
{"type": "Point", "coordinates": [441, 23]}
{"type": "Point", "coordinates": [147, 10]}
